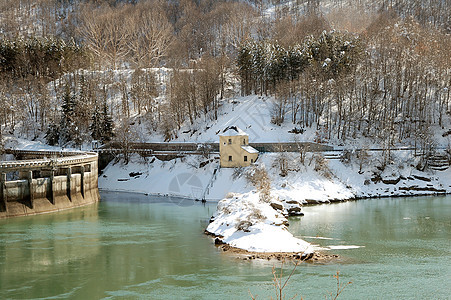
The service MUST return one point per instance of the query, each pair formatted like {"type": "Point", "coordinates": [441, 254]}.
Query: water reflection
{"type": "Point", "coordinates": [382, 225]}
{"type": "Point", "coordinates": [137, 246]}
{"type": "Point", "coordinates": [31, 247]}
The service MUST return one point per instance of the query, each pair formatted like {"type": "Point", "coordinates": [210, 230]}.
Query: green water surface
{"type": "Point", "coordinates": [141, 247]}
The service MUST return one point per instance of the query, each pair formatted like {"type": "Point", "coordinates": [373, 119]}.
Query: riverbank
{"type": "Point", "coordinates": [315, 257]}
{"type": "Point", "coordinates": [307, 181]}
{"type": "Point", "coordinates": [243, 222]}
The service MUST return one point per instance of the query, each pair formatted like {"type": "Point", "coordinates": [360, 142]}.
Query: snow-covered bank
{"type": "Point", "coordinates": [244, 221]}
{"type": "Point", "coordinates": [181, 177]}
{"type": "Point", "coordinates": [316, 180]}
{"type": "Point", "coordinates": [184, 178]}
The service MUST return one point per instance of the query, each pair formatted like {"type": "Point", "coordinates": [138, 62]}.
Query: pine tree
{"type": "Point", "coordinates": [101, 124]}
{"type": "Point", "coordinates": [106, 125]}
{"type": "Point", "coordinates": [67, 126]}
{"type": "Point", "coordinates": [53, 134]}
{"type": "Point", "coordinates": [2, 146]}
{"type": "Point", "coordinates": [96, 123]}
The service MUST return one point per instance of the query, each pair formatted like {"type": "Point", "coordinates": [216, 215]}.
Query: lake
{"type": "Point", "coordinates": [132, 246]}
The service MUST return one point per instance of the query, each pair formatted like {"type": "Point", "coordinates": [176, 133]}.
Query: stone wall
{"type": "Point", "coordinates": [48, 185]}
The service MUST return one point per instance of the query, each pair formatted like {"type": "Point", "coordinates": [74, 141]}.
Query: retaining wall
{"type": "Point", "coordinates": [44, 185]}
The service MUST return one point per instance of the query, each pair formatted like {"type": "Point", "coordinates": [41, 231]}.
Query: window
{"type": "Point", "coordinates": [230, 157]}
{"type": "Point", "coordinates": [252, 160]}
{"type": "Point", "coordinates": [230, 141]}
{"type": "Point", "coordinates": [244, 141]}
{"type": "Point", "coordinates": [245, 158]}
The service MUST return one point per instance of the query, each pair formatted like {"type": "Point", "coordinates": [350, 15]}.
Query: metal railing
{"type": "Point", "coordinates": [55, 159]}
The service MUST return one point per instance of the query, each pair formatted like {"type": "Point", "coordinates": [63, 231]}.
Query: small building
{"type": "Point", "coordinates": [234, 148]}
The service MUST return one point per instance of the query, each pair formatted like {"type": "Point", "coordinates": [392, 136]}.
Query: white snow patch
{"type": "Point", "coordinates": [344, 247]}
{"type": "Point", "coordinates": [245, 222]}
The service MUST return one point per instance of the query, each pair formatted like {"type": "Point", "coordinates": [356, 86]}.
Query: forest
{"type": "Point", "coordinates": [73, 71]}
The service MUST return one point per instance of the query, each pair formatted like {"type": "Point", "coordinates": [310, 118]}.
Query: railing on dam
{"type": "Point", "coordinates": [46, 159]}
{"type": "Point", "coordinates": [46, 181]}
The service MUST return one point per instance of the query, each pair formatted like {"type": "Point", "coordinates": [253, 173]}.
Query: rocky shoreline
{"type": "Point", "coordinates": [316, 257]}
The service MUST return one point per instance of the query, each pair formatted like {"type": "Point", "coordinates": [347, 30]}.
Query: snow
{"type": "Point", "coordinates": [244, 221]}
{"type": "Point", "coordinates": [23, 144]}
{"type": "Point", "coordinates": [252, 114]}
{"type": "Point", "coordinates": [344, 247]}
{"type": "Point", "coordinates": [341, 181]}
{"type": "Point", "coordinates": [249, 149]}
{"type": "Point", "coordinates": [232, 131]}
{"type": "Point", "coordinates": [178, 178]}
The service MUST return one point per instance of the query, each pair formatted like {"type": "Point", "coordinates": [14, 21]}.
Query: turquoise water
{"type": "Point", "coordinates": [140, 247]}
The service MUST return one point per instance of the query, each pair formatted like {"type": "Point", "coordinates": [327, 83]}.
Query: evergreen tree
{"type": "Point", "coordinates": [101, 124]}
{"type": "Point", "coordinates": [106, 125]}
{"type": "Point", "coordinates": [52, 135]}
{"type": "Point", "coordinates": [2, 146]}
{"type": "Point", "coordinates": [96, 123]}
{"type": "Point", "coordinates": [67, 126]}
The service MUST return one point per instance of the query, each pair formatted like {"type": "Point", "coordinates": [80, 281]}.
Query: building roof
{"type": "Point", "coordinates": [232, 131]}
{"type": "Point", "coordinates": [249, 149]}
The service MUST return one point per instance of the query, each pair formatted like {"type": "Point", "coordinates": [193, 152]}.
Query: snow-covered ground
{"type": "Point", "coordinates": [336, 181]}
{"type": "Point", "coordinates": [178, 178]}
{"type": "Point", "coordinates": [12, 142]}
{"type": "Point", "coordinates": [244, 221]}
{"type": "Point", "coordinates": [252, 114]}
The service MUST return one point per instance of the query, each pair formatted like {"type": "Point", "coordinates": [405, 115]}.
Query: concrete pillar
{"type": "Point", "coordinates": [30, 188]}
{"type": "Point", "coordinates": [68, 187]}
{"type": "Point", "coordinates": [3, 192]}
{"type": "Point", "coordinates": [52, 187]}
{"type": "Point", "coordinates": [82, 187]}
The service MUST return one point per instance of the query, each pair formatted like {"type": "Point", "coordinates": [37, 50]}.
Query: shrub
{"type": "Point", "coordinates": [322, 166]}
{"type": "Point", "coordinates": [258, 177]}
{"type": "Point", "coordinates": [243, 225]}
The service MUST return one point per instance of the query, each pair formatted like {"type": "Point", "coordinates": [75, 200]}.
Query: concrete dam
{"type": "Point", "coordinates": [40, 182]}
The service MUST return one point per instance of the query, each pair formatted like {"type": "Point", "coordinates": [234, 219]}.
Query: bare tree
{"type": "Point", "coordinates": [106, 32]}
{"type": "Point", "coordinates": [151, 34]}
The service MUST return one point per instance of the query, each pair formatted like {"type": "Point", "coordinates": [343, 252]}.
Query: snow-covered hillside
{"type": "Point", "coordinates": [253, 115]}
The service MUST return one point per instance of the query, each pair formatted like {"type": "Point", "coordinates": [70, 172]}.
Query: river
{"type": "Point", "coordinates": [133, 246]}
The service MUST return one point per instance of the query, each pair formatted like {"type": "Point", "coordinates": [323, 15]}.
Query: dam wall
{"type": "Point", "coordinates": [51, 182]}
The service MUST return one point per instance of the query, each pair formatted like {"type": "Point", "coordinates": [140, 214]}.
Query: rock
{"type": "Point", "coordinates": [134, 174]}
{"type": "Point", "coordinates": [244, 225]}
{"type": "Point", "coordinates": [277, 206]}
{"type": "Point", "coordinates": [292, 202]}
{"type": "Point", "coordinates": [295, 211]}
{"type": "Point", "coordinates": [391, 180]}
{"type": "Point", "coordinates": [422, 189]}
{"type": "Point", "coordinates": [218, 241]}
{"type": "Point", "coordinates": [419, 177]}
{"type": "Point", "coordinates": [376, 178]}
{"type": "Point", "coordinates": [311, 201]}
{"type": "Point", "coordinates": [204, 163]}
